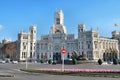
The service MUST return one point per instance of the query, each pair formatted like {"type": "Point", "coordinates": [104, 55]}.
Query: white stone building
{"type": "Point", "coordinates": [50, 45]}
{"type": "Point", "coordinates": [96, 47]}
{"type": "Point", "coordinates": [88, 43]}
{"type": "Point", "coordinates": [116, 35]}
{"type": "Point", "coordinates": [27, 44]}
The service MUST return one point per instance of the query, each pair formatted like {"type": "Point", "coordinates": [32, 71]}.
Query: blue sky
{"type": "Point", "coordinates": [16, 15]}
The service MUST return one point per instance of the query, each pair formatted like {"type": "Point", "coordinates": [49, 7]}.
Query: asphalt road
{"type": "Point", "coordinates": [13, 69]}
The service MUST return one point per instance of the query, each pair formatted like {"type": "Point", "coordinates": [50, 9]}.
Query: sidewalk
{"type": "Point", "coordinates": [4, 74]}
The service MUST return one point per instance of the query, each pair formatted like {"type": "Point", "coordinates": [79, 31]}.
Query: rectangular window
{"type": "Point", "coordinates": [82, 45]}
{"type": "Point", "coordinates": [95, 35]}
{"type": "Point", "coordinates": [22, 54]}
{"type": "Point", "coordinates": [30, 54]}
{"type": "Point", "coordinates": [58, 21]}
{"type": "Point", "coordinates": [88, 36]}
{"type": "Point", "coordinates": [34, 31]}
{"type": "Point", "coordinates": [45, 38]}
{"type": "Point", "coordinates": [79, 46]}
{"type": "Point", "coordinates": [50, 55]}
{"type": "Point", "coordinates": [25, 37]}
{"type": "Point", "coordinates": [24, 47]}
{"type": "Point", "coordinates": [31, 31]}
{"type": "Point", "coordinates": [88, 46]}
{"type": "Point", "coordinates": [34, 47]}
{"type": "Point", "coordinates": [25, 54]}
{"type": "Point", "coordinates": [23, 43]}
{"type": "Point", "coordinates": [95, 44]}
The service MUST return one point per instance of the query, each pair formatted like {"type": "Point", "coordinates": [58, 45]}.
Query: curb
{"type": "Point", "coordinates": [98, 75]}
{"type": "Point", "coordinates": [6, 75]}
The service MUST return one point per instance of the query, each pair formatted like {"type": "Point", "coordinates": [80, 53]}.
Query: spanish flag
{"type": "Point", "coordinates": [116, 24]}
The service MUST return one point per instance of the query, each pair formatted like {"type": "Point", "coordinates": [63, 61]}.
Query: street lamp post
{"type": "Point", "coordinates": [26, 61]}
{"type": "Point", "coordinates": [27, 56]}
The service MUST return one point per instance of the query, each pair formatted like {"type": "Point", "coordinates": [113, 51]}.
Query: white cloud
{"type": "Point", "coordinates": [1, 27]}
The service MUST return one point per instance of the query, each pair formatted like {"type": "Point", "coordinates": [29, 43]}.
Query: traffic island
{"type": "Point", "coordinates": [77, 72]}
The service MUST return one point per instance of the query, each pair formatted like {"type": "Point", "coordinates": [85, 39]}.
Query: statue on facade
{"type": "Point", "coordinates": [76, 56]}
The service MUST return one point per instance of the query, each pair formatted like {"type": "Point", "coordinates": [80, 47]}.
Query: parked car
{"type": "Point", "coordinates": [14, 62]}
{"type": "Point", "coordinates": [54, 62]}
{"type": "Point", "coordinates": [7, 60]}
{"type": "Point", "coordinates": [70, 59]}
{"type": "Point", "coordinates": [119, 61]}
{"type": "Point", "coordinates": [109, 62]}
{"type": "Point", "coordinates": [104, 63]}
{"type": "Point", "coordinates": [2, 61]}
{"type": "Point", "coordinates": [35, 61]}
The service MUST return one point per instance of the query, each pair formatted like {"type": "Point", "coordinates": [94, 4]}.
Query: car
{"type": "Point", "coordinates": [70, 59]}
{"type": "Point", "coordinates": [109, 62]}
{"type": "Point", "coordinates": [2, 61]}
{"type": "Point", "coordinates": [7, 60]}
{"type": "Point", "coordinates": [119, 61]}
{"type": "Point", "coordinates": [14, 62]}
{"type": "Point", "coordinates": [104, 63]}
{"type": "Point", "coordinates": [54, 62]}
{"type": "Point", "coordinates": [35, 61]}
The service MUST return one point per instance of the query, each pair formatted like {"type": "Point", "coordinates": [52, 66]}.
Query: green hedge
{"type": "Point", "coordinates": [74, 61]}
{"type": "Point", "coordinates": [100, 62]}
{"type": "Point", "coordinates": [50, 61]}
{"type": "Point", "coordinates": [115, 61]}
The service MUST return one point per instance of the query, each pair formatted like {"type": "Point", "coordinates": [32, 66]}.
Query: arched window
{"type": "Point", "coordinates": [41, 55]}
{"type": "Point", "coordinates": [68, 56]}
{"type": "Point", "coordinates": [30, 54]}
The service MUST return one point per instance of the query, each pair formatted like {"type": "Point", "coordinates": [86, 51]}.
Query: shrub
{"type": "Point", "coordinates": [50, 61]}
{"type": "Point", "coordinates": [41, 61]}
{"type": "Point", "coordinates": [68, 56]}
{"type": "Point", "coordinates": [115, 61]}
{"type": "Point", "coordinates": [99, 61]}
{"type": "Point", "coordinates": [74, 61]}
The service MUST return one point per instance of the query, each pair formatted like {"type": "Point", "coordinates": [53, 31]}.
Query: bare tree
{"type": "Point", "coordinates": [10, 50]}
{"type": "Point", "coordinates": [1, 52]}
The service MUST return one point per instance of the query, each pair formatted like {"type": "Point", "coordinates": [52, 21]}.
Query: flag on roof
{"type": "Point", "coordinates": [116, 24]}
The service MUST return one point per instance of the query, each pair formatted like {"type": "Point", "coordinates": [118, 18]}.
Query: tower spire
{"type": "Point", "coordinates": [58, 17]}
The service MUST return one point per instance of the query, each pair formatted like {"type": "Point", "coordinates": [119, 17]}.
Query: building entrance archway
{"type": "Point", "coordinates": [109, 55]}
{"type": "Point", "coordinates": [57, 53]}
{"type": "Point", "coordinates": [57, 57]}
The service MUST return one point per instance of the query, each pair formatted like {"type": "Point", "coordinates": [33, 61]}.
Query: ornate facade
{"type": "Point", "coordinates": [27, 44]}
{"type": "Point", "coordinates": [116, 35]}
{"type": "Point", "coordinates": [88, 43]}
{"type": "Point", "coordinates": [96, 47]}
{"type": "Point", "coordinates": [49, 46]}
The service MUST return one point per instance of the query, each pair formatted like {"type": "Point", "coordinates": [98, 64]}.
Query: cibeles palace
{"type": "Point", "coordinates": [49, 46]}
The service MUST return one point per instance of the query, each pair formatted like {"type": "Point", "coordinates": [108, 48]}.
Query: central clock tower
{"type": "Point", "coordinates": [58, 23]}
{"type": "Point", "coordinates": [58, 18]}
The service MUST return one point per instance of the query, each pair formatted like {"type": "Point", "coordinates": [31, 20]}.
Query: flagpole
{"type": "Point", "coordinates": [115, 25]}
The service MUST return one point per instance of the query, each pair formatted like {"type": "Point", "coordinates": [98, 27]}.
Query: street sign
{"type": "Point", "coordinates": [63, 51]}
